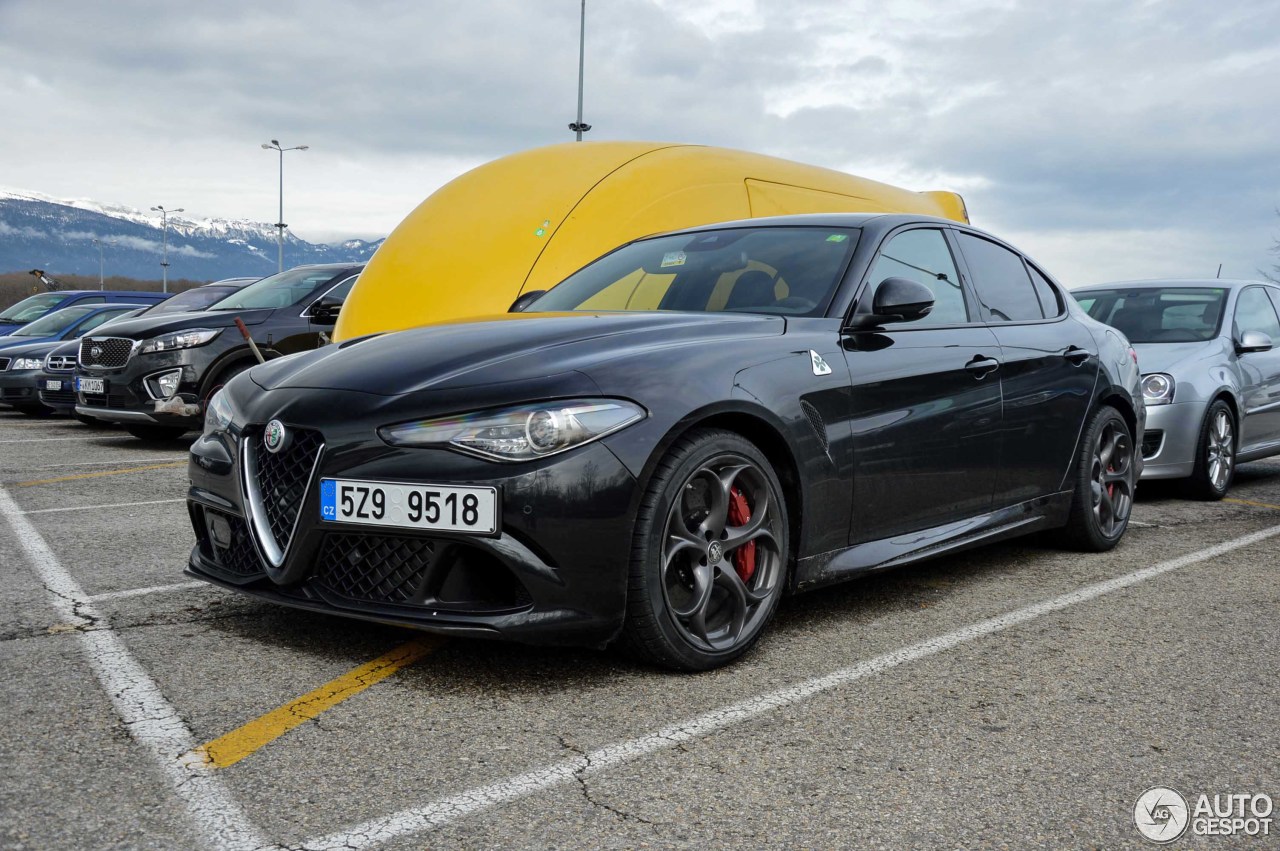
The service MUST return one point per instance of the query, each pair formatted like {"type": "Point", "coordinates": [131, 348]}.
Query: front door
{"type": "Point", "coordinates": [925, 403]}
{"type": "Point", "coordinates": [1259, 371]}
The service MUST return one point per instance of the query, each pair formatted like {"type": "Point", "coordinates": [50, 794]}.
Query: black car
{"type": "Point", "coordinates": [155, 373]}
{"type": "Point", "coordinates": [55, 381]}
{"type": "Point", "coordinates": [661, 446]}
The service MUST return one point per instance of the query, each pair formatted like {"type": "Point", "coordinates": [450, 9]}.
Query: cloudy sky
{"type": "Point", "coordinates": [1108, 139]}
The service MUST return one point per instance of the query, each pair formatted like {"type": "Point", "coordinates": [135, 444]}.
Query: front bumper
{"type": "Point", "coordinates": [18, 389]}
{"type": "Point", "coordinates": [555, 574]}
{"type": "Point", "coordinates": [62, 400]}
{"type": "Point", "coordinates": [1172, 439]}
{"type": "Point", "coordinates": [127, 399]}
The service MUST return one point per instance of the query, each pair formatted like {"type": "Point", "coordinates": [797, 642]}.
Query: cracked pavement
{"type": "Point", "coordinates": [1040, 735]}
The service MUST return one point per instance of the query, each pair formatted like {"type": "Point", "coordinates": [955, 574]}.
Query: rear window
{"type": "Point", "coordinates": [1158, 314]}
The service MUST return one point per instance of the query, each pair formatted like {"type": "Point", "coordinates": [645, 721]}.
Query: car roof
{"type": "Point", "coordinates": [1224, 283]}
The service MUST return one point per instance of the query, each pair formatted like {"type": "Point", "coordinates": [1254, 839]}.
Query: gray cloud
{"type": "Point", "coordinates": [1109, 138]}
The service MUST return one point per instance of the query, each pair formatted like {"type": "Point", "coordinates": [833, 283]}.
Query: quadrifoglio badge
{"type": "Point", "coordinates": [1163, 815]}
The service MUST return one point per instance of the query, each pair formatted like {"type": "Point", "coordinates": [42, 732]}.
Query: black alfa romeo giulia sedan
{"type": "Point", "coordinates": [657, 449]}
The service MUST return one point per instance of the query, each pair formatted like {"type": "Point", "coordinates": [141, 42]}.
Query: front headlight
{"type": "Point", "coordinates": [27, 363]}
{"type": "Point", "coordinates": [522, 433]}
{"type": "Point", "coordinates": [188, 339]}
{"type": "Point", "coordinates": [217, 414]}
{"type": "Point", "coordinates": [1157, 388]}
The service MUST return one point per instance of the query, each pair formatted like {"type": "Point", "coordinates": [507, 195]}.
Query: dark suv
{"type": "Point", "coordinates": [155, 374]}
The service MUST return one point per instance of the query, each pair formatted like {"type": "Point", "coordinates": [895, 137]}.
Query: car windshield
{"type": "Point", "coordinates": [56, 322]}
{"type": "Point", "coordinates": [191, 301]}
{"type": "Point", "coordinates": [1158, 314]}
{"type": "Point", "coordinates": [279, 290]}
{"type": "Point", "coordinates": [31, 308]}
{"type": "Point", "coordinates": [779, 270]}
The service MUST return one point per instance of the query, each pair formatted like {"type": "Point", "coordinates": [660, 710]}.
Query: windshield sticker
{"type": "Point", "coordinates": [673, 258]}
{"type": "Point", "coordinates": [838, 237]}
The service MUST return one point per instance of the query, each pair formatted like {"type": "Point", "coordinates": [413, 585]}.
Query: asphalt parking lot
{"type": "Point", "coordinates": [1014, 696]}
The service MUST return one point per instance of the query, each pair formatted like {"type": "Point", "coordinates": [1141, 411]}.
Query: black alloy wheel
{"type": "Point", "coordinates": [1215, 464]}
{"type": "Point", "coordinates": [1105, 479]}
{"type": "Point", "coordinates": [709, 563]}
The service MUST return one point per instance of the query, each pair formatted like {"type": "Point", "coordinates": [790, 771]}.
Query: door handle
{"type": "Point", "coordinates": [981, 366]}
{"type": "Point", "coordinates": [1077, 355]}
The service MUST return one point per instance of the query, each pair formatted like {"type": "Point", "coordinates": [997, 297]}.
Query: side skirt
{"type": "Point", "coordinates": [1046, 512]}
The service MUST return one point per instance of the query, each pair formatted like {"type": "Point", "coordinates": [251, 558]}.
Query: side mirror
{"type": "Point", "coordinates": [1254, 341]}
{"type": "Point", "coordinates": [325, 311]}
{"type": "Point", "coordinates": [896, 300]}
{"type": "Point", "coordinates": [524, 300]}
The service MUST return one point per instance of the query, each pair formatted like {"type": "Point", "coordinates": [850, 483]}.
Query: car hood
{"type": "Point", "coordinates": [1169, 357]}
{"type": "Point", "coordinates": [32, 348]}
{"type": "Point", "coordinates": [507, 348]}
{"type": "Point", "coordinates": [144, 327]}
{"type": "Point", "coordinates": [10, 344]}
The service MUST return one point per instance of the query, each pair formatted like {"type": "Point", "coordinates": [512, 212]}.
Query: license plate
{"type": "Point", "coordinates": [52, 385]}
{"type": "Point", "coordinates": [444, 508]}
{"type": "Point", "coordinates": [91, 385]}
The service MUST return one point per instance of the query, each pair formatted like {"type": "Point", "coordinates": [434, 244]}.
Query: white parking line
{"type": "Point", "coordinates": [103, 505]}
{"type": "Point", "coordinates": [154, 589]}
{"type": "Point", "coordinates": [150, 719]}
{"type": "Point", "coordinates": [447, 810]}
{"type": "Point", "coordinates": [80, 437]}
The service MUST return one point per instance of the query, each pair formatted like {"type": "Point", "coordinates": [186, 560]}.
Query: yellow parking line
{"type": "Point", "coordinates": [1251, 502]}
{"type": "Point", "coordinates": [240, 743]}
{"type": "Point", "coordinates": [100, 473]}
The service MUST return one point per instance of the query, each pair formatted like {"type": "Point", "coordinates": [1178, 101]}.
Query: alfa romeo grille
{"type": "Point", "coordinates": [375, 568]}
{"type": "Point", "coordinates": [278, 482]}
{"type": "Point", "coordinates": [107, 352]}
{"type": "Point", "coordinates": [60, 363]}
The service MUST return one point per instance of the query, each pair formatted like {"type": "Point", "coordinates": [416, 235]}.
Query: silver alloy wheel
{"type": "Point", "coordinates": [1111, 479]}
{"type": "Point", "coordinates": [1221, 450]}
{"type": "Point", "coordinates": [718, 575]}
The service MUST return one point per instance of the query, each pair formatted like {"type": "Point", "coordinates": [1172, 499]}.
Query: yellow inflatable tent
{"type": "Point", "coordinates": [527, 221]}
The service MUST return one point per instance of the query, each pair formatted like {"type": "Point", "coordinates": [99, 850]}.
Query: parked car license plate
{"type": "Point", "coordinates": [52, 385]}
{"type": "Point", "coordinates": [91, 385]}
{"type": "Point", "coordinates": [446, 508]}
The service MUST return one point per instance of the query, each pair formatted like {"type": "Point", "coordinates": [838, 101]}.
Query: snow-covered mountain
{"type": "Point", "coordinates": [40, 232]}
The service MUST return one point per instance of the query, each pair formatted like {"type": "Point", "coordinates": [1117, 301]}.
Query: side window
{"type": "Point", "coordinates": [341, 291]}
{"type": "Point", "coordinates": [98, 319]}
{"type": "Point", "coordinates": [1001, 279]}
{"type": "Point", "coordinates": [1255, 313]}
{"type": "Point", "coordinates": [1050, 301]}
{"type": "Point", "coordinates": [93, 299]}
{"type": "Point", "coordinates": [922, 255]}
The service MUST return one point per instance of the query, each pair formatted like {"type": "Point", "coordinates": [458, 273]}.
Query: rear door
{"type": "Point", "coordinates": [925, 401]}
{"type": "Point", "coordinates": [1049, 370]}
{"type": "Point", "coordinates": [1260, 371]}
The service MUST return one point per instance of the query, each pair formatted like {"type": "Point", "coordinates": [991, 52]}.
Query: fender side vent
{"type": "Point", "coordinates": [819, 425]}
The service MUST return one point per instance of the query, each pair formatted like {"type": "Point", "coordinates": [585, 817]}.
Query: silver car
{"type": "Point", "coordinates": [1210, 375]}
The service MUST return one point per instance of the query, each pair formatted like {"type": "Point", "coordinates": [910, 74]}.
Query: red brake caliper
{"type": "Point", "coordinates": [744, 558]}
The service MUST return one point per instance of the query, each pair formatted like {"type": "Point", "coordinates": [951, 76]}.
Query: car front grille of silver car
{"type": "Point", "coordinates": [106, 352]}
{"type": "Point", "coordinates": [276, 486]}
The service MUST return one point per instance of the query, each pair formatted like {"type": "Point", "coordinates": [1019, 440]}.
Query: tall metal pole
{"type": "Point", "coordinates": [99, 243]}
{"type": "Point", "coordinates": [280, 225]}
{"type": "Point", "coordinates": [578, 127]}
{"type": "Point", "coordinates": [164, 241]}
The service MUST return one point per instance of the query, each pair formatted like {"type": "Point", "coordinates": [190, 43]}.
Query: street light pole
{"type": "Point", "coordinates": [578, 127]}
{"type": "Point", "coordinates": [164, 239]}
{"type": "Point", "coordinates": [100, 244]}
{"type": "Point", "coordinates": [280, 225]}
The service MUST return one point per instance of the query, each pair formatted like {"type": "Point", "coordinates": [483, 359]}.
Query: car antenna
{"type": "Point", "coordinates": [1219, 275]}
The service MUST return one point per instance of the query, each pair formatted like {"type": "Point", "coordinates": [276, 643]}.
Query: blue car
{"type": "Point", "coordinates": [22, 355]}
{"type": "Point", "coordinates": [34, 307]}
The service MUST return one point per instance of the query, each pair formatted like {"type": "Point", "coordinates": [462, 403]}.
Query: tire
{"type": "Point", "coordinates": [222, 378]}
{"type": "Point", "coordinates": [695, 599]}
{"type": "Point", "coordinates": [1103, 484]}
{"type": "Point", "coordinates": [156, 433]}
{"type": "Point", "coordinates": [1217, 443]}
